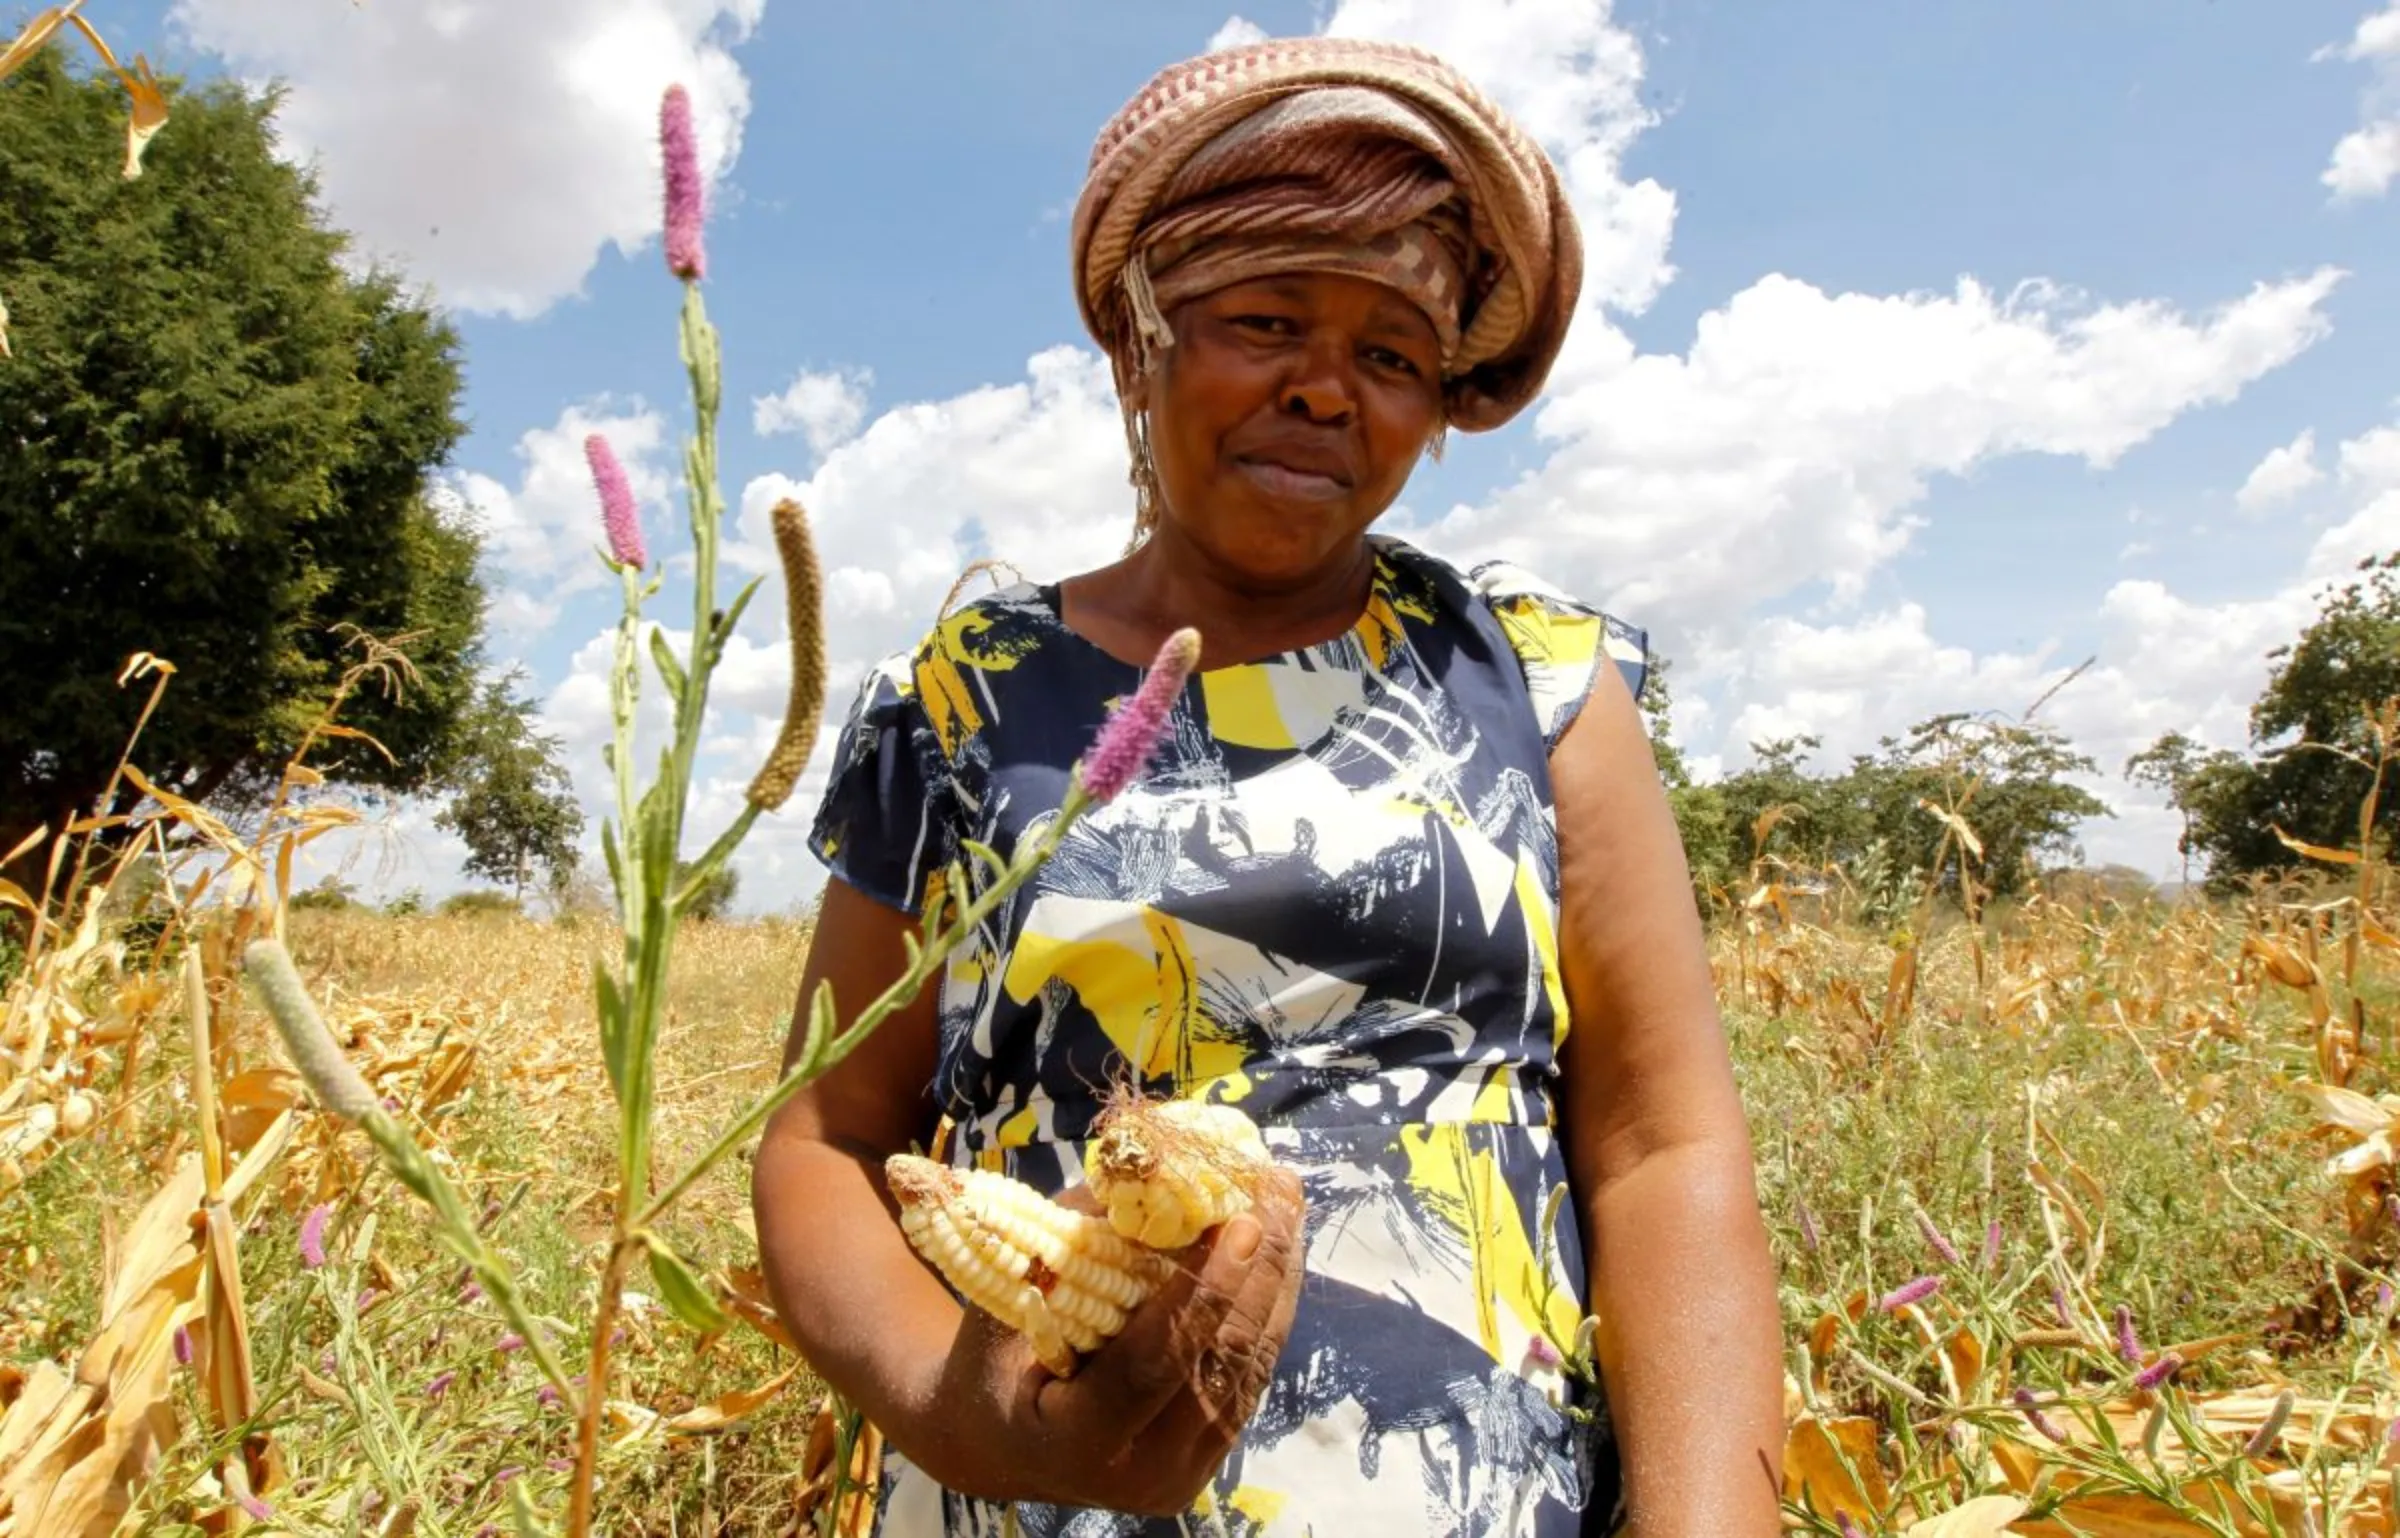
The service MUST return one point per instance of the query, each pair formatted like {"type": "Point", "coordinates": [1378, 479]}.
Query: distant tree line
{"type": "Point", "coordinates": [1998, 800]}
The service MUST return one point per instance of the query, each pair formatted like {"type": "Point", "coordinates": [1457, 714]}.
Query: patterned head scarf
{"type": "Point", "coordinates": [1333, 155]}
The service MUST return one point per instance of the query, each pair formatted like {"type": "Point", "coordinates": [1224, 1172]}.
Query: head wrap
{"type": "Point", "coordinates": [1333, 155]}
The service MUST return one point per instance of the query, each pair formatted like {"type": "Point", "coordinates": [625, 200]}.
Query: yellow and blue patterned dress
{"type": "Point", "coordinates": [1332, 901]}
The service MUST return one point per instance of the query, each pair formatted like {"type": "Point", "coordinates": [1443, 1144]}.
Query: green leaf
{"type": "Point", "coordinates": [615, 856]}
{"type": "Point", "coordinates": [669, 668]}
{"type": "Point", "coordinates": [733, 615]}
{"type": "Point", "coordinates": [681, 1291]}
{"type": "Point", "coordinates": [654, 820]}
{"type": "Point", "coordinates": [820, 1025]}
{"type": "Point", "coordinates": [613, 1033]}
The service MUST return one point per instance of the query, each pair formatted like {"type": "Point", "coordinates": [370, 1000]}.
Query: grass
{"type": "Point", "coordinates": [2134, 1054]}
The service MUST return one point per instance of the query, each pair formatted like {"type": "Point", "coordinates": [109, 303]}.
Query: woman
{"type": "Point", "coordinates": [1401, 884]}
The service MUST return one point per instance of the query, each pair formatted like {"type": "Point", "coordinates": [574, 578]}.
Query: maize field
{"type": "Point", "coordinates": [2084, 1214]}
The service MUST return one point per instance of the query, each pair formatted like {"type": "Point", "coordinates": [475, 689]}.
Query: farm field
{"type": "Point", "coordinates": [2097, 1179]}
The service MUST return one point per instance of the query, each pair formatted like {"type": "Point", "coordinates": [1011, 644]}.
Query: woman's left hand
{"type": "Point", "coordinates": [1149, 1418]}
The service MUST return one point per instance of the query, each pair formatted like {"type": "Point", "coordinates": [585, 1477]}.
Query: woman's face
{"type": "Point", "coordinates": [1287, 417]}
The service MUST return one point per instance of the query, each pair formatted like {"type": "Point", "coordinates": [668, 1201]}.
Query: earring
{"type": "Point", "coordinates": [1143, 473]}
{"type": "Point", "coordinates": [1438, 442]}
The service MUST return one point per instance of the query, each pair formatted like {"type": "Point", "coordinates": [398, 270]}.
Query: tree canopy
{"type": "Point", "coordinates": [1884, 819]}
{"type": "Point", "coordinates": [512, 802]}
{"type": "Point", "coordinates": [2313, 740]}
{"type": "Point", "coordinates": [216, 442]}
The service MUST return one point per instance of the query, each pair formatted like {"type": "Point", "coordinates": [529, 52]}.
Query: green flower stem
{"type": "Point", "coordinates": [655, 823]}
{"type": "Point", "coordinates": [824, 1047]}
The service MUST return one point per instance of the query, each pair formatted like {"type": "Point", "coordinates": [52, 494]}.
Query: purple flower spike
{"type": "Point", "coordinates": [256, 1509]}
{"type": "Point", "coordinates": [1541, 1355]}
{"type": "Point", "coordinates": [440, 1385]}
{"type": "Point", "coordinates": [2129, 1344]}
{"type": "Point", "coordinates": [1991, 1244]}
{"type": "Point", "coordinates": [312, 1235]}
{"type": "Point", "coordinates": [512, 1341]}
{"type": "Point", "coordinates": [1841, 1519]}
{"type": "Point", "coordinates": [2158, 1372]}
{"type": "Point", "coordinates": [2035, 1418]}
{"type": "Point", "coordinates": [1132, 733]}
{"type": "Point", "coordinates": [183, 1346]}
{"type": "Point", "coordinates": [546, 1395]}
{"type": "Point", "coordinates": [617, 512]}
{"type": "Point", "coordinates": [686, 257]}
{"type": "Point", "coordinates": [1937, 1241]}
{"type": "Point", "coordinates": [1908, 1293]}
{"type": "Point", "coordinates": [503, 1476]}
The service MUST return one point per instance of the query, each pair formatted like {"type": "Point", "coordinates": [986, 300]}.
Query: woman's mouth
{"type": "Point", "coordinates": [1290, 485]}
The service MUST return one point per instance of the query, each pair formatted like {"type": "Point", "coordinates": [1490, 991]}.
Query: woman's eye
{"type": "Point", "coordinates": [1384, 357]}
{"type": "Point", "coordinates": [1275, 325]}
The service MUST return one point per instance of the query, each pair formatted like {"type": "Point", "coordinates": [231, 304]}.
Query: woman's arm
{"type": "Point", "coordinates": [1131, 1431]}
{"type": "Point", "coordinates": [1659, 1153]}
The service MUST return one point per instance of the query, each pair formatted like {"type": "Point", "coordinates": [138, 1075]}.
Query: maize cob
{"type": "Point", "coordinates": [1062, 1279]}
{"type": "Point", "coordinates": [1169, 1171]}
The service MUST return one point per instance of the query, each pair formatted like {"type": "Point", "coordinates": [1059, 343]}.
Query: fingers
{"type": "Point", "coordinates": [1234, 1371]}
{"type": "Point", "coordinates": [1125, 1385]}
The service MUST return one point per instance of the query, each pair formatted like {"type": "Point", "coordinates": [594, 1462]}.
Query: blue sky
{"type": "Point", "coordinates": [1928, 349]}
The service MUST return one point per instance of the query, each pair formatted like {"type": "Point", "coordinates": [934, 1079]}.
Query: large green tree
{"type": "Point", "coordinates": [216, 439]}
{"type": "Point", "coordinates": [2313, 742]}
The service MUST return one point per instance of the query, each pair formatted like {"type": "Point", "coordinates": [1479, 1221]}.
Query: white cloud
{"type": "Point", "coordinates": [553, 104]}
{"type": "Point", "coordinates": [1789, 446]}
{"type": "Point", "coordinates": [2372, 459]}
{"type": "Point", "coordinates": [1238, 32]}
{"type": "Point", "coordinates": [2282, 475]}
{"type": "Point", "coordinates": [2367, 159]}
{"type": "Point", "coordinates": [540, 536]}
{"type": "Point", "coordinates": [826, 408]}
{"type": "Point", "coordinates": [1031, 472]}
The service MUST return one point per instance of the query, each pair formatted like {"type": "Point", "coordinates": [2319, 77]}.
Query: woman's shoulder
{"type": "Point", "coordinates": [1560, 640]}
{"type": "Point", "coordinates": [995, 632]}
{"type": "Point", "coordinates": [998, 641]}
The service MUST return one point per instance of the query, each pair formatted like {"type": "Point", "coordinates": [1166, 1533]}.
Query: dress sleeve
{"type": "Point", "coordinates": [882, 826]}
{"type": "Point", "coordinates": [1560, 642]}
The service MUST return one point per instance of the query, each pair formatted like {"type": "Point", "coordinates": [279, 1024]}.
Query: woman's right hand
{"type": "Point", "coordinates": [1148, 1419]}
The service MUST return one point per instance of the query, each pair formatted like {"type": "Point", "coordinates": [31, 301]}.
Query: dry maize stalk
{"type": "Point", "coordinates": [1169, 1171]}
